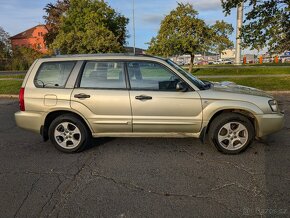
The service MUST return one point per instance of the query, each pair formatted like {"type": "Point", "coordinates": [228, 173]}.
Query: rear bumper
{"type": "Point", "coordinates": [31, 121]}
{"type": "Point", "coordinates": [269, 123]}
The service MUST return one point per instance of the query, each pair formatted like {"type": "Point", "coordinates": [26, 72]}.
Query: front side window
{"type": "Point", "coordinates": [104, 75]}
{"type": "Point", "coordinates": [151, 76]}
{"type": "Point", "coordinates": [53, 74]}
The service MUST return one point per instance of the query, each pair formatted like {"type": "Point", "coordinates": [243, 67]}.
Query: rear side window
{"type": "Point", "coordinates": [103, 75]}
{"type": "Point", "coordinates": [53, 74]}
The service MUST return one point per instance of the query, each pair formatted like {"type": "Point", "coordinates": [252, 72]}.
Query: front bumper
{"type": "Point", "coordinates": [269, 123]}
{"type": "Point", "coordinates": [31, 121]}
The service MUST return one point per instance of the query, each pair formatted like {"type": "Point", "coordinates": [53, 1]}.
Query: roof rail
{"type": "Point", "coordinates": [93, 55]}
{"type": "Point", "coordinates": [101, 54]}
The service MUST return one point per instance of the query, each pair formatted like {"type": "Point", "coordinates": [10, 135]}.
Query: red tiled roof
{"type": "Point", "coordinates": [26, 34]}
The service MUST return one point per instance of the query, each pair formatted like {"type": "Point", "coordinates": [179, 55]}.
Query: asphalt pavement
{"type": "Point", "coordinates": [141, 177]}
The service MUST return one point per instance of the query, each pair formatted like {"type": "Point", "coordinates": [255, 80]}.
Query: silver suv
{"type": "Point", "coordinates": [70, 99]}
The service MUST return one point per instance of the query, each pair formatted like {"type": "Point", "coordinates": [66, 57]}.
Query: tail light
{"type": "Point", "coordinates": [21, 99]}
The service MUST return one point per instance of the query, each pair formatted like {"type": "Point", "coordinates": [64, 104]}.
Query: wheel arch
{"type": "Point", "coordinates": [243, 112]}
{"type": "Point", "coordinates": [54, 114]}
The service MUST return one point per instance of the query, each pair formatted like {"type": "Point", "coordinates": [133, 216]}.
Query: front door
{"type": "Point", "coordinates": [103, 98]}
{"type": "Point", "coordinates": [157, 106]}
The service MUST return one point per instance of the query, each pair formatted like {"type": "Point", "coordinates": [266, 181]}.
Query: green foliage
{"type": "Point", "coordinates": [182, 32]}
{"type": "Point", "coordinates": [23, 57]}
{"type": "Point", "coordinates": [91, 26]}
{"type": "Point", "coordinates": [54, 12]}
{"type": "Point", "coordinates": [267, 23]}
{"type": "Point", "coordinates": [221, 31]}
{"type": "Point", "coordinates": [4, 48]}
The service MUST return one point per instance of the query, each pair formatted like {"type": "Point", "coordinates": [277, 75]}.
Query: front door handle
{"type": "Point", "coordinates": [143, 97]}
{"type": "Point", "coordinates": [82, 95]}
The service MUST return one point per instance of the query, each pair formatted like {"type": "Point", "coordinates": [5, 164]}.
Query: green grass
{"type": "Point", "coordinates": [270, 64]}
{"type": "Point", "coordinates": [241, 71]}
{"type": "Point", "coordinates": [16, 76]}
{"type": "Point", "coordinates": [10, 86]}
{"type": "Point", "coordinates": [238, 66]}
{"type": "Point", "coordinates": [264, 83]}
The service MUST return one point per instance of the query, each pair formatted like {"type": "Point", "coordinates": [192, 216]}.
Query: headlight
{"type": "Point", "coordinates": [273, 105]}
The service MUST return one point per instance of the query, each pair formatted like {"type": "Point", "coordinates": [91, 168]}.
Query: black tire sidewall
{"type": "Point", "coordinates": [226, 118]}
{"type": "Point", "coordinates": [69, 118]}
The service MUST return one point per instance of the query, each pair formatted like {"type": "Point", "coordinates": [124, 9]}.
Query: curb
{"type": "Point", "coordinates": [278, 92]}
{"type": "Point", "coordinates": [8, 96]}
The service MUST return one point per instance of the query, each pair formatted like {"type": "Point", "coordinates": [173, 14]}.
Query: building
{"type": "Point", "coordinates": [137, 50]}
{"type": "Point", "coordinates": [228, 54]}
{"type": "Point", "coordinates": [31, 38]}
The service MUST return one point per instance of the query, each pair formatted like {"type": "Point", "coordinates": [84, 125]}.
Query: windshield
{"type": "Point", "coordinates": [198, 83]}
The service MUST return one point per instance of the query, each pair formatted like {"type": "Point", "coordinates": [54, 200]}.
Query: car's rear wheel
{"type": "Point", "coordinates": [69, 134]}
{"type": "Point", "coordinates": [231, 133]}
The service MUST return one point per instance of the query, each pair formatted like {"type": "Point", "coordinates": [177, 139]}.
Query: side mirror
{"type": "Point", "coordinates": [181, 86]}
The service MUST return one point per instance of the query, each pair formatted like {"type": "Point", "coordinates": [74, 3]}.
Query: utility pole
{"type": "Point", "coordinates": [134, 34]}
{"type": "Point", "coordinates": [240, 10]}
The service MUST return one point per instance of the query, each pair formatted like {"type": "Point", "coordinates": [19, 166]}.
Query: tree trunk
{"type": "Point", "coordinates": [191, 63]}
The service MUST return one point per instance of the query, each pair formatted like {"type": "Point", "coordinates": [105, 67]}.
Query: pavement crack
{"type": "Point", "coordinates": [71, 186]}
{"type": "Point", "coordinates": [255, 191]}
{"type": "Point", "coordinates": [27, 195]}
{"type": "Point", "coordinates": [221, 162]}
{"type": "Point", "coordinates": [52, 194]}
{"type": "Point", "coordinates": [135, 187]}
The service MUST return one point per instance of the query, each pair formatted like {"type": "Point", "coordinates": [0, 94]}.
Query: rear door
{"type": "Point", "coordinates": [156, 104]}
{"type": "Point", "coordinates": [103, 98]}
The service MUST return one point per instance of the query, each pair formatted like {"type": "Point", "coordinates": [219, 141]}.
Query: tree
{"type": "Point", "coordinates": [54, 12]}
{"type": "Point", "coordinates": [266, 24]}
{"type": "Point", "coordinates": [5, 49]}
{"type": "Point", "coordinates": [5, 46]}
{"type": "Point", "coordinates": [182, 32]}
{"type": "Point", "coordinates": [23, 57]}
{"type": "Point", "coordinates": [91, 26]}
{"type": "Point", "coordinates": [220, 40]}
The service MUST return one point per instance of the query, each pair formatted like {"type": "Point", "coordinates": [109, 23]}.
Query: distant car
{"type": "Point", "coordinates": [217, 62]}
{"type": "Point", "coordinates": [70, 99]}
{"type": "Point", "coordinates": [227, 61]}
{"type": "Point", "coordinates": [222, 61]}
{"type": "Point", "coordinates": [201, 63]}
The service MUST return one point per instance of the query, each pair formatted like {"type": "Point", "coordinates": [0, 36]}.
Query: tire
{"type": "Point", "coordinates": [231, 133]}
{"type": "Point", "coordinates": [69, 134]}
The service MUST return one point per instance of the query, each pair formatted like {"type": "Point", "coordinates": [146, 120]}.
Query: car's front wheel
{"type": "Point", "coordinates": [69, 134]}
{"type": "Point", "coordinates": [231, 133]}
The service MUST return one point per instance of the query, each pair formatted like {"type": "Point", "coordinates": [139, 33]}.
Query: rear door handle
{"type": "Point", "coordinates": [82, 95]}
{"type": "Point", "coordinates": [143, 97]}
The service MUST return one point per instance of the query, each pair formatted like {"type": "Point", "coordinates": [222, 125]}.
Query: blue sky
{"type": "Point", "coordinates": [19, 15]}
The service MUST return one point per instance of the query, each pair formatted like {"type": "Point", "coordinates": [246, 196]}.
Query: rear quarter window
{"type": "Point", "coordinates": [53, 74]}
